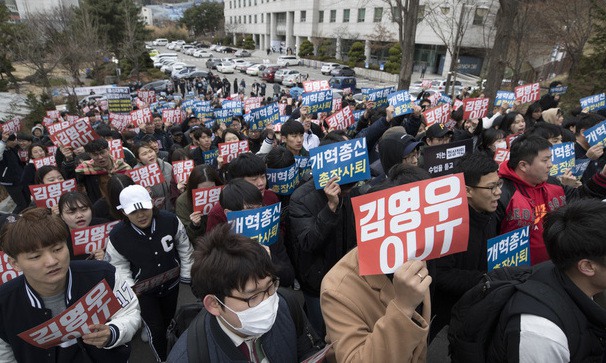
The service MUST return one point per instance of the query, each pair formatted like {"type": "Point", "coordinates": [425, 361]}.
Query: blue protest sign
{"type": "Point", "coordinates": [378, 95]}
{"type": "Point", "coordinates": [303, 164]}
{"type": "Point", "coordinates": [594, 102]}
{"type": "Point", "coordinates": [320, 101]}
{"type": "Point", "coordinates": [208, 123]}
{"type": "Point", "coordinates": [444, 99]}
{"type": "Point", "coordinates": [347, 160]}
{"type": "Point", "coordinates": [283, 181]}
{"type": "Point", "coordinates": [562, 158]}
{"type": "Point", "coordinates": [357, 114]}
{"type": "Point", "coordinates": [580, 167]}
{"type": "Point", "coordinates": [596, 135]}
{"type": "Point", "coordinates": [210, 156]}
{"type": "Point", "coordinates": [202, 109]}
{"type": "Point", "coordinates": [295, 92]}
{"type": "Point", "coordinates": [259, 118]}
{"type": "Point", "coordinates": [222, 115]}
{"type": "Point", "coordinates": [185, 105]}
{"type": "Point", "coordinates": [509, 249]}
{"type": "Point", "coordinates": [504, 96]}
{"type": "Point", "coordinates": [235, 107]}
{"type": "Point", "coordinates": [262, 224]}
{"type": "Point", "coordinates": [560, 90]}
{"type": "Point", "coordinates": [401, 102]}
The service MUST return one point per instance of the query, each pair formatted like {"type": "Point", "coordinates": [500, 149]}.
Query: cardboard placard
{"type": "Point", "coordinates": [87, 240]}
{"type": "Point", "coordinates": [181, 170]}
{"type": "Point", "coordinates": [262, 224]}
{"type": "Point", "coordinates": [509, 249]}
{"type": "Point", "coordinates": [528, 92]}
{"type": "Point", "coordinates": [204, 199]}
{"type": "Point", "coordinates": [147, 176]}
{"type": "Point", "coordinates": [230, 150]}
{"type": "Point", "coordinates": [47, 195]}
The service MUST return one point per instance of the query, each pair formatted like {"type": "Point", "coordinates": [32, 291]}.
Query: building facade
{"type": "Point", "coordinates": [283, 25]}
{"type": "Point", "coordinates": [25, 7]}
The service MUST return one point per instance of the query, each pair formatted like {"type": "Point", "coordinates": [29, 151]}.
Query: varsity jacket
{"type": "Point", "coordinates": [140, 254]}
{"type": "Point", "coordinates": [21, 309]}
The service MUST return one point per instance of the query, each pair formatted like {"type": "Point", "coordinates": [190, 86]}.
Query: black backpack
{"type": "Point", "coordinates": [193, 315]}
{"type": "Point", "coordinates": [475, 317]}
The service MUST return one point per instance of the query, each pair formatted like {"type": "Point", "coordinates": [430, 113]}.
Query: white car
{"type": "Point", "coordinates": [213, 47]}
{"type": "Point", "coordinates": [281, 73]}
{"type": "Point", "coordinates": [288, 60]}
{"type": "Point", "coordinates": [291, 80]}
{"type": "Point", "coordinates": [180, 67]}
{"type": "Point", "coordinates": [226, 67]}
{"type": "Point", "coordinates": [328, 67]}
{"type": "Point", "coordinates": [160, 42]}
{"type": "Point", "coordinates": [244, 65]}
{"type": "Point", "coordinates": [255, 70]}
{"type": "Point", "coordinates": [186, 47]}
{"type": "Point", "coordinates": [202, 53]}
{"type": "Point", "coordinates": [167, 63]}
{"type": "Point", "coordinates": [169, 68]}
{"type": "Point", "coordinates": [171, 45]}
{"type": "Point", "coordinates": [237, 62]}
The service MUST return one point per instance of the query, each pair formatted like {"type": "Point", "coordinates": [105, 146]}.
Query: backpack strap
{"type": "Point", "coordinates": [197, 345]}
{"type": "Point", "coordinates": [308, 341]}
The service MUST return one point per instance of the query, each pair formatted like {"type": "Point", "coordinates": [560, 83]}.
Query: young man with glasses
{"type": "Point", "coordinates": [244, 318]}
{"type": "Point", "coordinates": [457, 273]}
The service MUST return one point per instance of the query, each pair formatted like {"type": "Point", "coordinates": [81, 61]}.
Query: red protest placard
{"type": "Point", "coordinates": [54, 128]}
{"type": "Point", "coordinates": [205, 198]}
{"type": "Point", "coordinates": [173, 116]}
{"type": "Point", "coordinates": [417, 221]}
{"type": "Point", "coordinates": [501, 155]}
{"type": "Point", "coordinates": [23, 155]}
{"type": "Point", "coordinates": [440, 114]}
{"type": "Point", "coordinates": [76, 135]}
{"type": "Point", "coordinates": [251, 103]}
{"type": "Point", "coordinates": [71, 118]}
{"type": "Point", "coordinates": [47, 195]}
{"type": "Point", "coordinates": [147, 176]}
{"type": "Point", "coordinates": [119, 121]}
{"type": "Point", "coordinates": [54, 114]}
{"type": "Point", "coordinates": [96, 307]}
{"type": "Point", "coordinates": [141, 117]}
{"type": "Point", "coordinates": [147, 96]}
{"type": "Point", "coordinates": [7, 272]}
{"type": "Point", "coordinates": [528, 92]}
{"type": "Point", "coordinates": [116, 149]}
{"type": "Point", "coordinates": [89, 239]}
{"type": "Point", "coordinates": [314, 86]}
{"type": "Point", "coordinates": [153, 282]}
{"type": "Point", "coordinates": [337, 104]}
{"type": "Point", "coordinates": [47, 121]}
{"type": "Point", "coordinates": [51, 150]}
{"type": "Point", "coordinates": [181, 170]}
{"type": "Point", "coordinates": [435, 98]}
{"type": "Point", "coordinates": [342, 119]}
{"type": "Point", "coordinates": [12, 126]}
{"type": "Point", "coordinates": [457, 103]}
{"type": "Point", "coordinates": [510, 138]}
{"type": "Point", "coordinates": [230, 150]}
{"type": "Point", "coordinates": [475, 108]}
{"type": "Point", "coordinates": [49, 160]}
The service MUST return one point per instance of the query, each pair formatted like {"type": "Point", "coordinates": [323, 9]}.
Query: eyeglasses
{"type": "Point", "coordinates": [493, 188]}
{"type": "Point", "coordinates": [258, 298]}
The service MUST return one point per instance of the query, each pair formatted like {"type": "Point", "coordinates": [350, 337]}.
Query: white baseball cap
{"type": "Point", "coordinates": [134, 197]}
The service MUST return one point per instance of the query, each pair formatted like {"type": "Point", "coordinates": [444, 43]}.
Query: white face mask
{"type": "Point", "coordinates": [257, 320]}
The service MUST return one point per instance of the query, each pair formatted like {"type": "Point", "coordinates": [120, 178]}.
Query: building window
{"type": "Point", "coordinates": [255, 18]}
{"type": "Point", "coordinates": [378, 15]}
{"type": "Point", "coordinates": [249, 3]}
{"type": "Point", "coordinates": [361, 15]}
{"type": "Point", "coordinates": [303, 16]}
{"type": "Point", "coordinates": [262, 17]}
{"type": "Point", "coordinates": [250, 19]}
{"type": "Point", "coordinates": [244, 19]}
{"type": "Point", "coordinates": [321, 16]}
{"type": "Point", "coordinates": [239, 3]}
{"type": "Point", "coordinates": [333, 16]}
{"type": "Point", "coordinates": [230, 4]}
{"type": "Point", "coordinates": [346, 15]}
{"type": "Point", "coordinates": [479, 15]}
{"type": "Point", "coordinates": [421, 13]}
{"type": "Point", "coordinates": [255, 2]}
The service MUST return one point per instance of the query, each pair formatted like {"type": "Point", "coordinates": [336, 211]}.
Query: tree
{"type": "Point", "coordinates": [394, 59]}
{"type": "Point", "coordinates": [306, 48]}
{"type": "Point", "coordinates": [249, 42]}
{"type": "Point", "coordinates": [7, 41]}
{"type": "Point", "coordinates": [132, 45]}
{"type": "Point", "coordinates": [404, 13]}
{"type": "Point", "coordinates": [204, 18]}
{"type": "Point", "coordinates": [356, 53]}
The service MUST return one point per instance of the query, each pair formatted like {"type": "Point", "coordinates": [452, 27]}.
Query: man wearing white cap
{"type": "Point", "coordinates": [151, 244]}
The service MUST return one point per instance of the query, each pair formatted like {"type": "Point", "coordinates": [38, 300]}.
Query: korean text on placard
{"type": "Point", "coordinates": [401, 102]}
{"type": "Point", "coordinates": [504, 96]}
{"type": "Point", "coordinates": [596, 135]}
{"type": "Point", "coordinates": [594, 102]}
{"type": "Point", "coordinates": [262, 224]}
{"type": "Point", "coordinates": [346, 160]}
{"type": "Point", "coordinates": [475, 108]}
{"type": "Point", "coordinates": [7, 271]}
{"type": "Point", "coordinates": [509, 249]}
{"type": "Point", "coordinates": [528, 92]}
{"type": "Point", "coordinates": [147, 176]}
{"type": "Point", "coordinates": [440, 114]}
{"type": "Point", "coordinates": [87, 240]}
{"type": "Point", "coordinates": [342, 119]}
{"type": "Point", "coordinates": [562, 158]}
{"type": "Point", "coordinates": [204, 199]}
{"type": "Point", "coordinates": [263, 116]}
{"type": "Point", "coordinates": [230, 150]}
{"type": "Point", "coordinates": [283, 181]}
{"type": "Point", "coordinates": [181, 170]}
{"type": "Point", "coordinates": [47, 195]}
{"type": "Point", "coordinates": [76, 135]}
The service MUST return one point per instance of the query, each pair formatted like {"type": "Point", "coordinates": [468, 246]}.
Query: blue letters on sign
{"type": "Point", "coordinates": [262, 224]}
{"type": "Point", "coordinates": [347, 160]}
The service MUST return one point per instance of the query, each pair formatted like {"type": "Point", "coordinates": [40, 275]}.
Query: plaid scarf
{"type": "Point", "coordinates": [88, 167]}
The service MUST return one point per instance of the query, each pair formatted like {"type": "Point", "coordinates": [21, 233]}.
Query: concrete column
{"type": "Point", "coordinates": [272, 28]}
{"type": "Point", "coordinates": [367, 50]}
{"type": "Point", "coordinates": [297, 44]}
{"type": "Point", "coordinates": [235, 39]}
{"type": "Point", "coordinates": [447, 62]}
{"type": "Point", "coordinates": [338, 54]}
{"type": "Point", "coordinates": [290, 19]}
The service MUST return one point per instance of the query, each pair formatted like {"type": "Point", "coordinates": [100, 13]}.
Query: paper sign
{"type": "Point", "coordinates": [346, 160]}
{"type": "Point", "coordinates": [562, 158]}
{"type": "Point", "coordinates": [358, 114]}
{"type": "Point", "coordinates": [54, 114]}
{"type": "Point", "coordinates": [560, 90]}
{"type": "Point", "coordinates": [173, 116]}
{"type": "Point", "coordinates": [96, 307]}
{"type": "Point", "coordinates": [252, 103]}
{"type": "Point", "coordinates": [262, 224]}
{"type": "Point", "coordinates": [230, 150]}
{"type": "Point", "coordinates": [147, 176]}
{"type": "Point", "coordinates": [51, 150]}
{"type": "Point", "coordinates": [457, 104]}
{"type": "Point", "coordinates": [337, 104]}
{"type": "Point", "coordinates": [48, 160]}
{"type": "Point", "coordinates": [341, 120]}
{"type": "Point", "coordinates": [315, 86]}
{"type": "Point", "coordinates": [23, 155]}
{"type": "Point", "coordinates": [116, 150]}
{"type": "Point", "coordinates": [204, 199]}
{"type": "Point", "coordinates": [147, 96]}
{"type": "Point", "coordinates": [210, 157]}
{"type": "Point", "coordinates": [47, 195]}
{"type": "Point", "coordinates": [504, 96]}
{"type": "Point", "coordinates": [259, 118]}
{"type": "Point", "coordinates": [153, 282]}
{"type": "Point", "coordinates": [7, 272]}
{"type": "Point", "coordinates": [141, 117]}
{"type": "Point", "coordinates": [440, 114]}
{"type": "Point", "coordinates": [181, 170]}
{"type": "Point", "coordinates": [593, 103]}
{"type": "Point", "coordinates": [509, 249]}
{"type": "Point", "coordinates": [320, 101]}
{"type": "Point", "coordinates": [580, 167]}
{"type": "Point", "coordinates": [118, 99]}
{"type": "Point", "coordinates": [475, 108]}
{"type": "Point", "coordinates": [120, 121]}
{"type": "Point", "coordinates": [401, 102]}
{"type": "Point", "coordinates": [303, 164]}
{"type": "Point", "coordinates": [54, 128]}
{"type": "Point", "coordinates": [416, 221]}
{"type": "Point", "coordinates": [441, 159]}
{"type": "Point", "coordinates": [528, 92]}
{"type": "Point", "coordinates": [87, 240]}
{"type": "Point", "coordinates": [501, 155]}
{"type": "Point", "coordinates": [76, 135]}
{"type": "Point", "coordinates": [596, 135]}
{"type": "Point", "coordinates": [283, 181]}
{"type": "Point", "coordinates": [378, 95]}
{"type": "Point", "coordinates": [202, 109]}
{"type": "Point", "coordinates": [12, 126]}
{"type": "Point", "coordinates": [234, 107]}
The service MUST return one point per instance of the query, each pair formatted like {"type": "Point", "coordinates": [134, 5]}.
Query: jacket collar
{"type": "Point", "coordinates": [37, 302]}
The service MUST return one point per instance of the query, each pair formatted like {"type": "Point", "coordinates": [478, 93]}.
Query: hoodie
{"type": "Point", "coordinates": [551, 116]}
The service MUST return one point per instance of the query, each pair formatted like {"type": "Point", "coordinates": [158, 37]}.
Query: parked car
{"type": "Point", "coordinates": [291, 80]}
{"type": "Point", "coordinates": [288, 60]}
{"type": "Point", "coordinates": [440, 85]}
{"type": "Point", "coordinates": [161, 42]}
{"type": "Point", "coordinates": [270, 72]}
{"type": "Point", "coordinates": [178, 68]}
{"type": "Point", "coordinates": [194, 74]}
{"type": "Point", "coordinates": [168, 63]}
{"type": "Point", "coordinates": [242, 53]}
{"type": "Point", "coordinates": [213, 47]}
{"type": "Point", "coordinates": [281, 73]}
{"type": "Point", "coordinates": [343, 83]}
{"type": "Point", "coordinates": [211, 63]}
{"type": "Point", "coordinates": [185, 47]}
{"type": "Point", "coordinates": [202, 53]}
{"type": "Point", "coordinates": [243, 66]}
{"type": "Point", "coordinates": [159, 86]}
{"type": "Point", "coordinates": [327, 67]}
{"type": "Point", "coordinates": [226, 67]}
{"type": "Point", "coordinates": [171, 45]}
{"type": "Point", "coordinates": [343, 71]}
{"type": "Point", "coordinates": [228, 50]}
{"type": "Point", "coordinates": [255, 69]}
